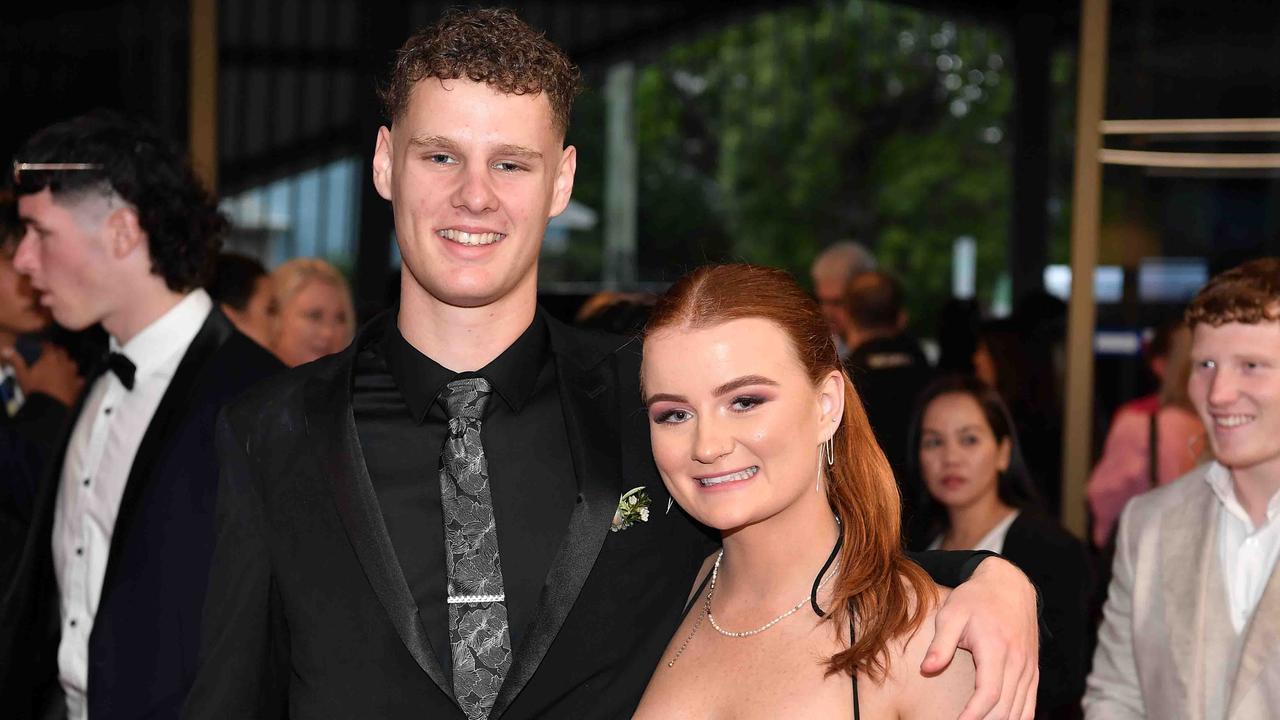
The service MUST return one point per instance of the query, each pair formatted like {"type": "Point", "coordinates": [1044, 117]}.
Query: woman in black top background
{"type": "Point", "coordinates": [979, 495]}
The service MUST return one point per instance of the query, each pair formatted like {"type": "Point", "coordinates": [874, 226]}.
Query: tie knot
{"type": "Point", "coordinates": [465, 398]}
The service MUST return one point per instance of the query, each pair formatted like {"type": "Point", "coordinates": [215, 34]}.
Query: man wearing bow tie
{"type": "Point", "coordinates": [105, 610]}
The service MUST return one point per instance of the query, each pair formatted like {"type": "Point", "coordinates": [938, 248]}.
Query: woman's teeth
{"type": "Point", "coordinates": [466, 238]}
{"type": "Point", "coordinates": [731, 477]}
{"type": "Point", "coordinates": [1233, 420]}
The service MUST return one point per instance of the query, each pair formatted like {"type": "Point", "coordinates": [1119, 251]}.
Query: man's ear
{"type": "Point", "coordinates": [564, 180]}
{"type": "Point", "coordinates": [124, 233]}
{"type": "Point", "coordinates": [382, 163]}
{"type": "Point", "coordinates": [903, 318]}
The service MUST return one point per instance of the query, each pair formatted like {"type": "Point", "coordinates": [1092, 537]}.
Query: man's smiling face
{"type": "Point", "coordinates": [473, 176]}
{"type": "Point", "coordinates": [1235, 387]}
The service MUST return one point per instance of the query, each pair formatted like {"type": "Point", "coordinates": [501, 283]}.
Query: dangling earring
{"type": "Point", "coordinates": [829, 445]}
{"type": "Point", "coordinates": [830, 453]}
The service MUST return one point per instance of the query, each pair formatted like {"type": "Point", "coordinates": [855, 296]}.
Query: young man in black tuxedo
{"type": "Point", "coordinates": [103, 617]}
{"type": "Point", "coordinates": [422, 526]}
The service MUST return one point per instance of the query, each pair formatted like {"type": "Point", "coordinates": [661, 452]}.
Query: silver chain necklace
{"type": "Point", "coordinates": [715, 574]}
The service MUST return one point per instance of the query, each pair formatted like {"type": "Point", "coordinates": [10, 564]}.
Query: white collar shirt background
{"type": "Point", "coordinates": [1247, 554]}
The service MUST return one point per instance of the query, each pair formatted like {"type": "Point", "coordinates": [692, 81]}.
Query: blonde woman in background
{"type": "Point", "coordinates": [1164, 427]}
{"type": "Point", "coordinates": [314, 313]}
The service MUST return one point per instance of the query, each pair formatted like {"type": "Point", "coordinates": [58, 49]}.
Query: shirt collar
{"type": "Point", "coordinates": [168, 334]}
{"type": "Point", "coordinates": [1219, 479]}
{"type": "Point", "coordinates": [513, 374]}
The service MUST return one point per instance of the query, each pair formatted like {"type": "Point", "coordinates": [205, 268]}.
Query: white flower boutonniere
{"type": "Point", "coordinates": [633, 507]}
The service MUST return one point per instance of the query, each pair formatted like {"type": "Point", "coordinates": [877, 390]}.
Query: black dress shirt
{"type": "Point", "coordinates": [402, 430]}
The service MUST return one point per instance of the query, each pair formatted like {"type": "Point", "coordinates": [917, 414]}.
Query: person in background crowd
{"type": "Point", "coordinates": [1193, 610]}
{"type": "Point", "coordinates": [979, 497]}
{"type": "Point", "coordinates": [242, 289]}
{"type": "Point", "coordinates": [1153, 439]}
{"type": "Point", "coordinates": [314, 314]}
{"type": "Point", "coordinates": [450, 540]}
{"type": "Point", "coordinates": [103, 617]}
{"type": "Point", "coordinates": [887, 365]}
{"type": "Point", "coordinates": [1021, 370]}
{"type": "Point", "coordinates": [39, 381]}
{"type": "Point", "coordinates": [831, 272]}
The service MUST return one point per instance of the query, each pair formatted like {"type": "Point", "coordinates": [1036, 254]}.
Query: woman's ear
{"type": "Point", "coordinates": [830, 404]}
{"type": "Point", "coordinates": [1005, 454]}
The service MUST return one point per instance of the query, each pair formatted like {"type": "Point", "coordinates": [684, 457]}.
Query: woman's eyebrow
{"type": "Point", "coordinates": [743, 381]}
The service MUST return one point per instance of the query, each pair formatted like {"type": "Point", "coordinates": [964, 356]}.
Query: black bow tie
{"type": "Point", "coordinates": [122, 366]}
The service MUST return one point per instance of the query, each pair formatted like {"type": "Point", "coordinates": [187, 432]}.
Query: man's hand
{"type": "Point", "coordinates": [992, 615]}
{"type": "Point", "coordinates": [54, 373]}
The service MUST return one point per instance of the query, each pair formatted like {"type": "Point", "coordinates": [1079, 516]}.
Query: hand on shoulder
{"type": "Point", "coordinates": [940, 695]}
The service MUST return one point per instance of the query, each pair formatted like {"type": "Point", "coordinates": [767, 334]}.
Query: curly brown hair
{"type": "Point", "coordinates": [1248, 293]}
{"type": "Point", "coordinates": [491, 46]}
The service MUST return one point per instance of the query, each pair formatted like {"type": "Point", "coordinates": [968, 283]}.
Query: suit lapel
{"type": "Point", "coordinates": [158, 437]}
{"type": "Point", "coordinates": [1262, 637]}
{"type": "Point", "coordinates": [1185, 548]}
{"type": "Point", "coordinates": [332, 429]}
{"type": "Point", "coordinates": [589, 401]}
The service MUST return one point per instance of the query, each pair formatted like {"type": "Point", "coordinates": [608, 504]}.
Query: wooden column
{"type": "Point", "coordinates": [1085, 222]}
{"type": "Point", "coordinates": [202, 105]}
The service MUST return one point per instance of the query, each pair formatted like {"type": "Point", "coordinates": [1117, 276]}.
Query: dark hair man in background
{"type": "Point", "coordinates": [886, 364]}
{"type": "Point", "coordinates": [104, 615]}
{"type": "Point", "coordinates": [420, 526]}
{"type": "Point", "coordinates": [242, 289]}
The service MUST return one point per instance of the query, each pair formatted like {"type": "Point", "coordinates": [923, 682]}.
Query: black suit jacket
{"type": "Point", "coordinates": [145, 638]}
{"type": "Point", "coordinates": [1059, 566]}
{"type": "Point", "coordinates": [309, 613]}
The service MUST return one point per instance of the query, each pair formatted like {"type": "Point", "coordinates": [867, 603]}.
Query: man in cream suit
{"type": "Point", "coordinates": [1192, 620]}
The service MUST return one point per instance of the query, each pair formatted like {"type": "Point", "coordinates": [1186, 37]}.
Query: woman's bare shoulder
{"type": "Point", "coordinates": [930, 696]}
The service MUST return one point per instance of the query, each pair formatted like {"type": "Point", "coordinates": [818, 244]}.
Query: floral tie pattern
{"type": "Point", "coordinates": [478, 631]}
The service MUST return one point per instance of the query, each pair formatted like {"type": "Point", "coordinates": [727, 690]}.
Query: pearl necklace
{"type": "Point", "coordinates": [715, 574]}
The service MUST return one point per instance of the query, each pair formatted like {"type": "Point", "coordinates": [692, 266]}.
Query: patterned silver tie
{"type": "Point", "coordinates": [478, 631]}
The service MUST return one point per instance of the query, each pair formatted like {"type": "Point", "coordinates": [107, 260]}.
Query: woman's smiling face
{"type": "Point", "coordinates": [735, 422]}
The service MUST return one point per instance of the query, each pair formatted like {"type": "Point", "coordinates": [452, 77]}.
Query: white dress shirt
{"type": "Point", "coordinates": [96, 467]}
{"type": "Point", "coordinates": [1247, 554]}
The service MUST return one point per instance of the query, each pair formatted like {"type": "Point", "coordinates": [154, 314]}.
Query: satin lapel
{"type": "Point", "coordinates": [589, 401]}
{"type": "Point", "coordinates": [164, 423]}
{"type": "Point", "coordinates": [331, 426]}
{"type": "Point", "coordinates": [1186, 541]}
{"type": "Point", "coordinates": [1260, 644]}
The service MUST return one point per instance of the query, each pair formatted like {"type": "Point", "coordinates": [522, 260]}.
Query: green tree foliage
{"type": "Point", "coordinates": [769, 139]}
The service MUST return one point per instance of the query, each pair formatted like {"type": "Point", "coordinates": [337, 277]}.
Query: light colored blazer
{"type": "Point", "coordinates": [1153, 644]}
